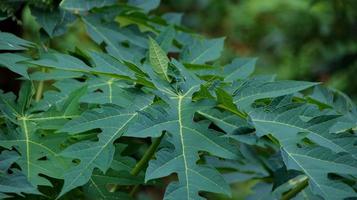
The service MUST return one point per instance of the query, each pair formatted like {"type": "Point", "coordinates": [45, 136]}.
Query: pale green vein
{"type": "Point", "coordinates": [26, 132]}
{"type": "Point", "coordinates": [52, 118]}
{"type": "Point", "coordinates": [209, 180]}
{"type": "Point", "coordinates": [97, 188]}
{"type": "Point", "coordinates": [101, 34]}
{"type": "Point", "coordinates": [38, 144]}
{"type": "Point", "coordinates": [305, 171]}
{"type": "Point", "coordinates": [203, 53]}
{"type": "Point", "coordinates": [110, 82]}
{"type": "Point", "coordinates": [179, 111]}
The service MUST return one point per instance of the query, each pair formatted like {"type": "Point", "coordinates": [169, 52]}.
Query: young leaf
{"type": "Point", "coordinates": [158, 59]}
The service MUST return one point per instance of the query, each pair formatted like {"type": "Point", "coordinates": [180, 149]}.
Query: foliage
{"type": "Point", "coordinates": [82, 122]}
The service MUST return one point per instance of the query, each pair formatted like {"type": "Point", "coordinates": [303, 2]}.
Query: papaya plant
{"type": "Point", "coordinates": [149, 112]}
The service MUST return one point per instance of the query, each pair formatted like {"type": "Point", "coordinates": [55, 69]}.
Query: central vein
{"type": "Point", "coordinates": [27, 141]}
{"type": "Point", "coordinates": [179, 112]}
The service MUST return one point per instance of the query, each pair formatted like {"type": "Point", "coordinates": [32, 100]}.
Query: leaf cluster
{"type": "Point", "coordinates": [152, 108]}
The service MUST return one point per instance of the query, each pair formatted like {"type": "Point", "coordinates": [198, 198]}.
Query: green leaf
{"type": "Point", "coordinates": [329, 98]}
{"type": "Point", "coordinates": [104, 91]}
{"type": "Point", "coordinates": [166, 38]}
{"type": "Point", "coordinates": [33, 148]}
{"type": "Point", "coordinates": [254, 90]}
{"type": "Point", "coordinates": [39, 152]}
{"type": "Point", "coordinates": [25, 96]}
{"type": "Point", "coordinates": [146, 5]}
{"type": "Point", "coordinates": [105, 65]}
{"type": "Point", "coordinates": [15, 183]}
{"type": "Point", "coordinates": [56, 117]}
{"type": "Point", "coordinates": [97, 187]}
{"type": "Point", "coordinates": [177, 120]}
{"type": "Point", "coordinates": [113, 121]}
{"type": "Point", "coordinates": [9, 41]}
{"type": "Point", "coordinates": [114, 39]}
{"type": "Point", "coordinates": [317, 163]}
{"type": "Point", "coordinates": [54, 75]}
{"type": "Point", "coordinates": [225, 120]}
{"type": "Point", "coordinates": [14, 63]}
{"type": "Point", "coordinates": [225, 101]}
{"type": "Point", "coordinates": [201, 51]}
{"type": "Point", "coordinates": [238, 170]}
{"type": "Point", "coordinates": [55, 22]}
{"type": "Point", "coordinates": [239, 69]}
{"type": "Point", "coordinates": [56, 98]}
{"type": "Point", "coordinates": [158, 59]}
{"type": "Point", "coordinates": [12, 180]}
{"type": "Point", "coordinates": [108, 64]}
{"type": "Point", "coordinates": [12, 109]}
{"type": "Point", "coordinates": [286, 122]}
{"type": "Point", "coordinates": [84, 5]}
{"type": "Point", "coordinates": [119, 174]}
{"type": "Point", "coordinates": [7, 158]}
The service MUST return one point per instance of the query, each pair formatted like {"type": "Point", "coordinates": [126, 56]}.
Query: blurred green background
{"type": "Point", "coordinates": [313, 40]}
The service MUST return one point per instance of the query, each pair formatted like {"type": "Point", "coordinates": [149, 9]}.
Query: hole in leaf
{"type": "Point", "coordinates": [99, 90]}
{"type": "Point", "coordinates": [76, 161]}
{"type": "Point", "coordinates": [43, 158]}
{"type": "Point", "coordinates": [125, 44]}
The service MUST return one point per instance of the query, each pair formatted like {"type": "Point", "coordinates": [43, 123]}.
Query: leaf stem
{"type": "Point", "coordinates": [143, 161]}
{"type": "Point", "coordinates": [146, 157]}
{"type": "Point", "coordinates": [133, 190]}
{"type": "Point", "coordinates": [39, 90]}
{"type": "Point", "coordinates": [141, 164]}
{"type": "Point", "coordinates": [293, 192]}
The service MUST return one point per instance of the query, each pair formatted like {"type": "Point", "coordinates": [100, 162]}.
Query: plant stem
{"type": "Point", "coordinates": [133, 190]}
{"type": "Point", "coordinates": [141, 164]}
{"type": "Point", "coordinates": [39, 90]}
{"type": "Point", "coordinates": [143, 161]}
{"type": "Point", "coordinates": [146, 157]}
{"type": "Point", "coordinates": [293, 192]}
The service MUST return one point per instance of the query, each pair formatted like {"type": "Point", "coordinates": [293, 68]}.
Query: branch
{"type": "Point", "coordinates": [147, 156]}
